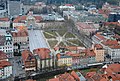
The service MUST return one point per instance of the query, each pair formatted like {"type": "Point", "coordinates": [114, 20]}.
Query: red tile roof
{"type": "Point", "coordinates": [25, 55]}
{"type": "Point", "coordinates": [100, 37]}
{"type": "Point", "coordinates": [90, 74]}
{"type": "Point", "coordinates": [24, 18]}
{"type": "Point", "coordinates": [75, 55]}
{"type": "Point", "coordinates": [116, 36]}
{"type": "Point", "coordinates": [112, 70]}
{"type": "Point", "coordinates": [90, 52]}
{"type": "Point", "coordinates": [30, 80]}
{"type": "Point", "coordinates": [84, 25]}
{"type": "Point", "coordinates": [110, 23]}
{"type": "Point", "coordinates": [73, 73]}
{"type": "Point", "coordinates": [68, 5]}
{"type": "Point", "coordinates": [3, 55]}
{"type": "Point", "coordinates": [43, 53]}
{"type": "Point", "coordinates": [20, 34]}
{"type": "Point", "coordinates": [21, 28]}
{"type": "Point", "coordinates": [105, 13]}
{"type": "Point", "coordinates": [54, 79]}
{"type": "Point", "coordinates": [72, 48]}
{"type": "Point", "coordinates": [110, 42]}
{"type": "Point", "coordinates": [4, 64]}
{"type": "Point", "coordinates": [4, 19]}
{"type": "Point", "coordinates": [66, 77]}
{"type": "Point", "coordinates": [99, 46]}
{"type": "Point", "coordinates": [115, 46]}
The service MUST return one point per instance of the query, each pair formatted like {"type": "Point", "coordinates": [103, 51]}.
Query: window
{"type": "Point", "coordinates": [113, 53]}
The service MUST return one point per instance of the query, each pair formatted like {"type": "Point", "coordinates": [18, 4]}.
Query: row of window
{"type": "Point", "coordinates": [5, 47]}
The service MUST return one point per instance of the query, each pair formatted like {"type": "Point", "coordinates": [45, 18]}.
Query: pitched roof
{"type": "Point", "coordinates": [68, 4]}
{"type": "Point", "coordinates": [90, 74]}
{"type": "Point", "coordinates": [110, 42]}
{"type": "Point", "coordinates": [74, 74]}
{"type": "Point", "coordinates": [30, 80]}
{"type": "Point", "coordinates": [89, 52]}
{"type": "Point", "coordinates": [100, 37]}
{"type": "Point", "coordinates": [24, 18]}
{"type": "Point", "coordinates": [4, 64]}
{"type": "Point", "coordinates": [21, 28]}
{"type": "Point", "coordinates": [20, 34]}
{"type": "Point", "coordinates": [4, 19]}
{"type": "Point", "coordinates": [99, 46]}
{"type": "Point", "coordinates": [26, 54]}
{"type": "Point", "coordinates": [54, 79]}
{"type": "Point", "coordinates": [112, 71]}
{"type": "Point", "coordinates": [84, 25]}
{"type": "Point", "coordinates": [43, 53]}
{"type": "Point", "coordinates": [66, 77]}
{"type": "Point", "coordinates": [3, 55]}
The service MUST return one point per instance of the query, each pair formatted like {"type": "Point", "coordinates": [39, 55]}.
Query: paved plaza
{"type": "Point", "coordinates": [37, 40]}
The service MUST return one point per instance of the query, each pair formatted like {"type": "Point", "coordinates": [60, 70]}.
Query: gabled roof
{"type": "Point", "coordinates": [74, 74]}
{"type": "Point", "coordinates": [54, 79]}
{"type": "Point", "coordinates": [43, 53]}
{"type": "Point", "coordinates": [89, 52]}
{"type": "Point", "coordinates": [99, 46]}
{"type": "Point", "coordinates": [110, 42]}
{"type": "Point", "coordinates": [4, 64]}
{"type": "Point", "coordinates": [100, 37]}
{"type": "Point", "coordinates": [30, 80]}
{"type": "Point", "coordinates": [4, 19]}
{"type": "Point", "coordinates": [24, 18]}
{"type": "Point", "coordinates": [27, 55]}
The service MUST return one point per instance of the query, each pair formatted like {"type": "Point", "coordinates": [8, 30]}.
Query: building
{"type": "Point", "coordinates": [14, 8]}
{"type": "Point", "coordinates": [30, 80]}
{"type": "Point", "coordinates": [29, 20]}
{"type": "Point", "coordinates": [100, 53]}
{"type": "Point", "coordinates": [20, 35]}
{"type": "Point", "coordinates": [44, 59]}
{"type": "Point", "coordinates": [64, 60]}
{"type": "Point", "coordinates": [6, 44]}
{"type": "Point", "coordinates": [114, 17]}
{"type": "Point", "coordinates": [29, 61]}
{"type": "Point", "coordinates": [3, 13]}
{"type": "Point", "coordinates": [37, 6]}
{"type": "Point", "coordinates": [3, 56]}
{"type": "Point", "coordinates": [5, 66]}
{"type": "Point", "coordinates": [110, 44]}
{"type": "Point", "coordinates": [109, 73]}
{"type": "Point", "coordinates": [52, 17]}
{"type": "Point", "coordinates": [67, 7]}
{"type": "Point", "coordinates": [4, 23]}
{"type": "Point", "coordinates": [86, 28]}
{"type": "Point", "coordinates": [75, 58]}
{"type": "Point", "coordinates": [5, 69]}
{"type": "Point", "coordinates": [112, 72]}
{"type": "Point", "coordinates": [73, 76]}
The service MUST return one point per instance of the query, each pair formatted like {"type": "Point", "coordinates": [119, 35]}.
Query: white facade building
{"type": "Point", "coordinates": [3, 13]}
{"type": "Point", "coordinates": [5, 70]}
{"type": "Point", "coordinates": [6, 44]}
{"type": "Point", "coordinates": [67, 7]}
